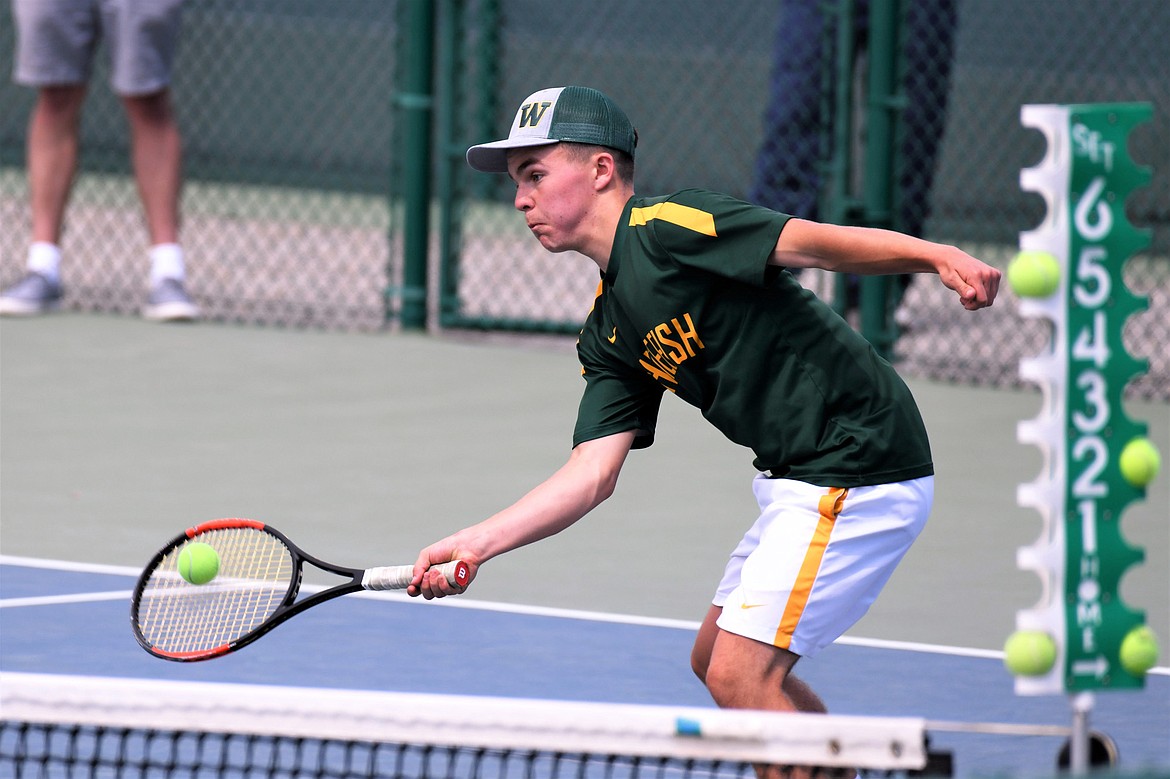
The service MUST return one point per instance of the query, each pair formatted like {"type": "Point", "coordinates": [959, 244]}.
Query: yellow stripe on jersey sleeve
{"type": "Point", "coordinates": [683, 216]}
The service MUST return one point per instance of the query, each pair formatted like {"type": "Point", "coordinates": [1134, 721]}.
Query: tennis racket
{"type": "Point", "coordinates": [254, 590]}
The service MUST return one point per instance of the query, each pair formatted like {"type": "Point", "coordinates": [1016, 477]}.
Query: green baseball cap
{"type": "Point", "coordinates": [576, 114]}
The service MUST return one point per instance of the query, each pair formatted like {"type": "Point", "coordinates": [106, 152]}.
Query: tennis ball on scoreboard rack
{"type": "Point", "coordinates": [1029, 653]}
{"type": "Point", "coordinates": [1034, 274]}
{"type": "Point", "coordinates": [1140, 462]}
{"type": "Point", "coordinates": [1139, 651]}
{"type": "Point", "coordinates": [198, 563]}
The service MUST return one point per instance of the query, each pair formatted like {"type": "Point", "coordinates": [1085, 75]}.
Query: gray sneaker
{"type": "Point", "coordinates": [169, 302]}
{"type": "Point", "coordinates": [33, 294]}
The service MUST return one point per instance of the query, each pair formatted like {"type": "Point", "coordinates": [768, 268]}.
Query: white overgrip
{"type": "Point", "coordinates": [398, 577]}
{"type": "Point", "coordinates": [388, 577]}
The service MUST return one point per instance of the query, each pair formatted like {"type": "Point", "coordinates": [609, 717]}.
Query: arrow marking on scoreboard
{"type": "Point", "coordinates": [1096, 667]}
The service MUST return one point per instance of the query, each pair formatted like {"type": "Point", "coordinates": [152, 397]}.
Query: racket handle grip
{"type": "Point", "coordinates": [397, 577]}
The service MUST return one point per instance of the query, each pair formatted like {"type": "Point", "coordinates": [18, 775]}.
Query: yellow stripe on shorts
{"type": "Point", "coordinates": [829, 508]}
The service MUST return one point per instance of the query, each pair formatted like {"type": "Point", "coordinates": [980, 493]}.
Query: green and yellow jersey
{"type": "Point", "coordinates": [689, 304]}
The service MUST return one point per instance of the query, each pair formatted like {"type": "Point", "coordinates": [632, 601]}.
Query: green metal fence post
{"type": "Point", "coordinates": [456, 91]}
{"type": "Point", "coordinates": [880, 152]}
{"type": "Point", "coordinates": [488, 58]}
{"type": "Point", "coordinates": [449, 124]}
{"type": "Point", "coordinates": [416, 101]}
{"type": "Point", "coordinates": [837, 202]}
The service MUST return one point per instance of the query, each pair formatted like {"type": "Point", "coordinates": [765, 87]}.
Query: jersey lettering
{"type": "Point", "coordinates": [668, 345]}
{"type": "Point", "coordinates": [662, 332]}
{"type": "Point", "coordinates": [688, 334]}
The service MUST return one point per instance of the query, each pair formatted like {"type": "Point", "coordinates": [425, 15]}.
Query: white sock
{"type": "Point", "coordinates": [45, 258]}
{"type": "Point", "coordinates": [166, 262]}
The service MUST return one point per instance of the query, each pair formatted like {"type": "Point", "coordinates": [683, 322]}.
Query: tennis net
{"type": "Point", "coordinates": [67, 727]}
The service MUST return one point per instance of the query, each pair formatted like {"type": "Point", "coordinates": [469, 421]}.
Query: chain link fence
{"type": "Point", "coordinates": [285, 107]}
{"type": "Point", "coordinates": [739, 96]}
{"type": "Point", "coordinates": [292, 171]}
{"type": "Point", "coordinates": [1011, 54]}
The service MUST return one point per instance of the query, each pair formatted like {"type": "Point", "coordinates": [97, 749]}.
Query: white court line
{"type": "Point", "coordinates": [59, 600]}
{"type": "Point", "coordinates": [62, 565]}
{"type": "Point", "coordinates": [470, 603]}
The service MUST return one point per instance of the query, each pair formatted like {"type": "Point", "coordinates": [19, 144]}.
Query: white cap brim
{"type": "Point", "coordinates": [493, 157]}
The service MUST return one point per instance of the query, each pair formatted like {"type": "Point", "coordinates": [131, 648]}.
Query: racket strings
{"type": "Point", "coordinates": [255, 575]}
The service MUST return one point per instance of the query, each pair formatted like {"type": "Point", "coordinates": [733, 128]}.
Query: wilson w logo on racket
{"type": "Point", "coordinates": [221, 585]}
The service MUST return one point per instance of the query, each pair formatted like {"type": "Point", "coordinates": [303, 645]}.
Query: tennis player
{"type": "Point", "coordinates": [695, 300]}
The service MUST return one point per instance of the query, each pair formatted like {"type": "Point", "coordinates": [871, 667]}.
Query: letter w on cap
{"type": "Point", "coordinates": [531, 113]}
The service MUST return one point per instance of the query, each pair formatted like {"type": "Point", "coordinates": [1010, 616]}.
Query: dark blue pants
{"type": "Point", "coordinates": [787, 176]}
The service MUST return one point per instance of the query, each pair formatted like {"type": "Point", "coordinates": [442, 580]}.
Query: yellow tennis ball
{"type": "Point", "coordinates": [1139, 651]}
{"type": "Point", "coordinates": [198, 563]}
{"type": "Point", "coordinates": [1034, 274]}
{"type": "Point", "coordinates": [1029, 653]}
{"type": "Point", "coordinates": [1140, 462]}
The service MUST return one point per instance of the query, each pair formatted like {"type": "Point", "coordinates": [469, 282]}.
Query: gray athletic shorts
{"type": "Point", "coordinates": [56, 40]}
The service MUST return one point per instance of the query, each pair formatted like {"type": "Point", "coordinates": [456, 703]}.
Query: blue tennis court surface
{"type": "Point", "coordinates": [73, 619]}
{"type": "Point", "coordinates": [365, 449]}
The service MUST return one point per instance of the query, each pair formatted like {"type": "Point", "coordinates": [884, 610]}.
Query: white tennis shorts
{"type": "Point", "coordinates": [816, 559]}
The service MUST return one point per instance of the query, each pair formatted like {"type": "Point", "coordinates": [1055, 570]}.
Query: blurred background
{"type": "Point", "coordinates": [303, 153]}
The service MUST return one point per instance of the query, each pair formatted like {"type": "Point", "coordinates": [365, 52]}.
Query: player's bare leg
{"type": "Point", "coordinates": [742, 673]}
{"type": "Point", "coordinates": [53, 144]}
{"type": "Point", "coordinates": [157, 158]}
{"type": "Point", "coordinates": [799, 694]}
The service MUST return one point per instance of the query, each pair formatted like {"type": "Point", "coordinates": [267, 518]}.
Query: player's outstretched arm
{"type": "Point", "coordinates": [869, 251]}
{"type": "Point", "coordinates": [579, 486]}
